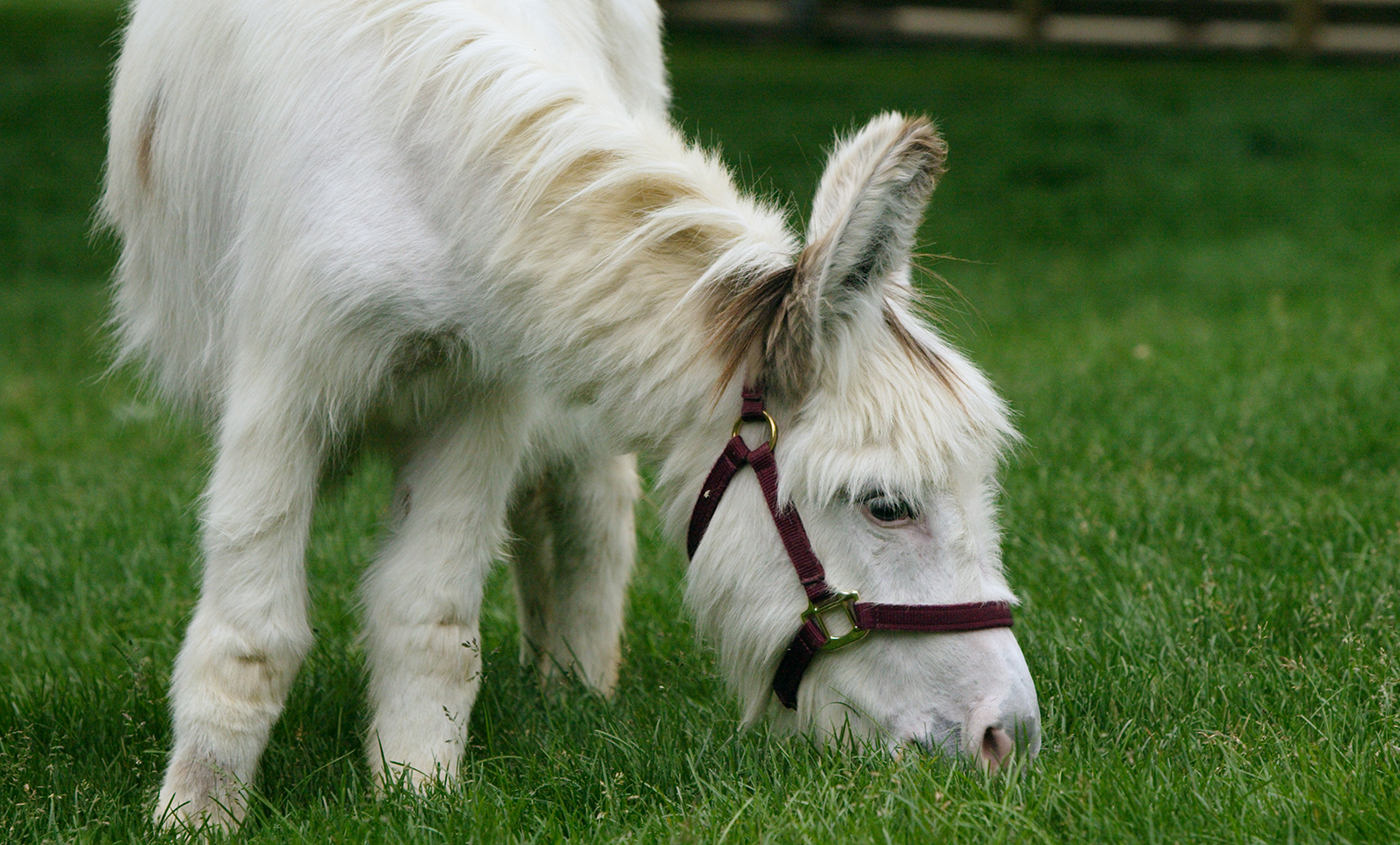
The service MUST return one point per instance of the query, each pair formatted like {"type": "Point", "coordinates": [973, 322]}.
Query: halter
{"type": "Point", "coordinates": [814, 635]}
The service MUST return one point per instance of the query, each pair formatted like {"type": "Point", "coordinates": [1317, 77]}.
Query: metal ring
{"type": "Point", "coordinates": [772, 429]}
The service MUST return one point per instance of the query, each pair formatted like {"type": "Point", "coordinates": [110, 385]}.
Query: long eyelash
{"type": "Point", "coordinates": [911, 508]}
{"type": "Point", "coordinates": [870, 493]}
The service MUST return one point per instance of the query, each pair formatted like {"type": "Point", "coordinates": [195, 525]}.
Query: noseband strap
{"type": "Point", "coordinates": [814, 635]}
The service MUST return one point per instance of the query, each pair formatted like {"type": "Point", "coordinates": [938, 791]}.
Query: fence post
{"type": "Point", "coordinates": [1032, 14]}
{"type": "Point", "coordinates": [1306, 17]}
{"type": "Point", "coordinates": [802, 15]}
{"type": "Point", "coordinates": [1192, 18]}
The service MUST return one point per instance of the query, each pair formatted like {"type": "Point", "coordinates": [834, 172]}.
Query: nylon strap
{"type": "Point", "coordinates": [914, 618]}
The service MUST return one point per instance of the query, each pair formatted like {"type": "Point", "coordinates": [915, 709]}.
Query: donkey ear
{"type": "Point", "coordinates": [868, 207]}
{"type": "Point", "coordinates": [867, 212]}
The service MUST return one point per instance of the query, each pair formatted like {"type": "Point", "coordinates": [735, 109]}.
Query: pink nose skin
{"type": "Point", "coordinates": [998, 742]}
{"type": "Point", "coordinates": [993, 744]}
{"type": "Point", "coordinates": [996, 747]}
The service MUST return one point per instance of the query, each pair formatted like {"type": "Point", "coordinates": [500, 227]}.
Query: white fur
{"type": "Point", "coordinates": [466, 229]}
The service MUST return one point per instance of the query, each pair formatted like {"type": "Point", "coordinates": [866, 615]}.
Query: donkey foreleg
{"type": "Point", "coordinates": [576, 542]}
{"type": "Point", "coordinates": [423, 595]}
{"type": "Point", "coordinates": [249, 632]}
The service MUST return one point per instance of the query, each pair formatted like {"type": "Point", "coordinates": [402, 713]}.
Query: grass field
{"type": "Point", "coordinates": [1184, 274]}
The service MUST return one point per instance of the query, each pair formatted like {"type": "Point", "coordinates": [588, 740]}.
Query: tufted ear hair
{"type": "Point", "coordinates": [864, 220]}
{"type": "Point", "coordinates": [868, 207]}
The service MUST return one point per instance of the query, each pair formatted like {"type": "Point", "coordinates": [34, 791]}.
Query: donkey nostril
{"type": "Point", "coordinates": [996, 747]}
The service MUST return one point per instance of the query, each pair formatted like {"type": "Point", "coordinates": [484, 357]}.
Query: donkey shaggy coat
{"type": "Point", "coordinates": [467, 231]}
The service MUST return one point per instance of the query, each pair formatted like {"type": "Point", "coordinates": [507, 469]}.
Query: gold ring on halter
{"type": "Point", "coordinates": [772, 429]}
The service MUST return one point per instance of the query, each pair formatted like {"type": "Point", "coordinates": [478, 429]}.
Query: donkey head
{"type": "Point", "coordinates": [889, 443]}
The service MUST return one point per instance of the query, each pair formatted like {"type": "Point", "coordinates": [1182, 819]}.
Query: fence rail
{"type": "Point", "coordinates": [1355, 27]}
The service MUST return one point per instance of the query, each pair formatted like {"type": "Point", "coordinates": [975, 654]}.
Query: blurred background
{"type": "Point", "coordinates": [1301, 27]}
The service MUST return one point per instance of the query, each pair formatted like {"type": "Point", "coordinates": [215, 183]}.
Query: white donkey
{"type": "Point", "coordinates": [466, 228]}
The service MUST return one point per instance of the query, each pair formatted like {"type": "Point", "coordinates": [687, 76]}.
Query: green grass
{"type": "Point", "coordinates": [1184, 274]}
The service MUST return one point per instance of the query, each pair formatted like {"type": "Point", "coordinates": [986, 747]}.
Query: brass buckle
{"type": "Point", "coordinates": [772, 429]}
{"type": "Point", "coordinates": [846, 602]}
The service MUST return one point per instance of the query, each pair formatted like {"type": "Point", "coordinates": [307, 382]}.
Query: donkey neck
{"type": "Point", "coordinates": [613, 283]}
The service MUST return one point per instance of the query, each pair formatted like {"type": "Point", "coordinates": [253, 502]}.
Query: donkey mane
{"type": "Point", "coordinates": [570, 145]}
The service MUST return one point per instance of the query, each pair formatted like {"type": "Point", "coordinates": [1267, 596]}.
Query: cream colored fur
{"type": "Point", "coordinates": [468, 229]}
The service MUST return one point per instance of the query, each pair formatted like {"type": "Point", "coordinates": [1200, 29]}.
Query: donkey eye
{"type": "Point", "coordinates": [889, 510]}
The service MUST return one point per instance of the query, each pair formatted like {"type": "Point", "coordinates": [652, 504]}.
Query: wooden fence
{"type": "Point", "coordinates": [1352, 27]}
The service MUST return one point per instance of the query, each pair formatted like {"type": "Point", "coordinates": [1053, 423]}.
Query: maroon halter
{"type": "Point", "coordinates": [814, 636]}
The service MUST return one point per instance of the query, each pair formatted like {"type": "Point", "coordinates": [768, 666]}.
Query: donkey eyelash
{"type": "Point", "coordinates": [888, 507]}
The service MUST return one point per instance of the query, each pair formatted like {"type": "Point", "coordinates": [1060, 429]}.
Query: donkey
{"type": "Point", "coordinates": [467, 231]}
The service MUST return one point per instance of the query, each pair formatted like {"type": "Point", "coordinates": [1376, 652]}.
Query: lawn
{"type": "Point", "coordinates": [1184, 274]}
